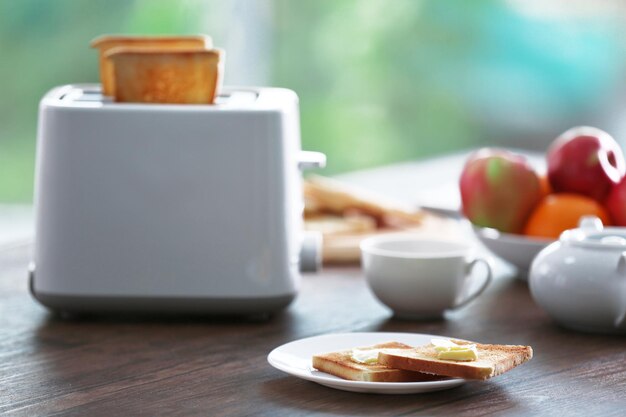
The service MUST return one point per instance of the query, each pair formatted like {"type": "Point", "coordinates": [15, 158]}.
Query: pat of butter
{"type": "Point", "coordinates": [468, 354]}
{"type": "Point", "coordinates": [368, 357]}
{"type": "Point", "coordinates": [448, 350]}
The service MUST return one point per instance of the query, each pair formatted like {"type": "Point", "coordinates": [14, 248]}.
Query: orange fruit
{"type": "Point", "coordinates": [559, 212]}
{"type": "Point", "coordinates": [544, 185]}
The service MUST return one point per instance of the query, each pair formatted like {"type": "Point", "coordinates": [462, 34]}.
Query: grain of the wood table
{"type": "Point", "coordinates": [218, 367]}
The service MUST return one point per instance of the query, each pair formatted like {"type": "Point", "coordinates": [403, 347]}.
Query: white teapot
{"type": "Point", "coordinates": [580, 280]}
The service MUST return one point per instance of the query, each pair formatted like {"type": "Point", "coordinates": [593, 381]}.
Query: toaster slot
{"type": "Point", "coordinates": [91, 95]}
{"type": "Point", "coordinates": [239, 98]}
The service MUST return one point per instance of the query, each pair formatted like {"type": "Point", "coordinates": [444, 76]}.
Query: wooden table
{"type": "Point", "coordinates": [218, 367]}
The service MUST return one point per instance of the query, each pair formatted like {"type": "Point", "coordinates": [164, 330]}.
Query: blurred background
{"type": "Point", "coordinates": [379, 81]}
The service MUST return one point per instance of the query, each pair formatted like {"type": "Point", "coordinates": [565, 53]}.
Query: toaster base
{"type": "Point", "coordinates": [73, 304]}
{"type": "Point", "coordinates": [163, 305]}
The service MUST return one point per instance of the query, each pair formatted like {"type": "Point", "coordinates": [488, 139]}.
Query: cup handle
{"type": "Point", "coordinates": [470, 267]}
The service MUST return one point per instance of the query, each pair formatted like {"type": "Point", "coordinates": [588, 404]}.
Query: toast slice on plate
{"type": "Point", "coordinates": [344, 365]}
{"type": "Point", "coordinates": [491, 360]}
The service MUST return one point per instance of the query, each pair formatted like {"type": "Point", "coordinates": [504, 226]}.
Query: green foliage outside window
{"type": "Point", "coordinates": [379, 80]}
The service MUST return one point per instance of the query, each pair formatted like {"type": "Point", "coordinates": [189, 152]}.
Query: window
{"type": "Point", "coordinates": [379, 81]}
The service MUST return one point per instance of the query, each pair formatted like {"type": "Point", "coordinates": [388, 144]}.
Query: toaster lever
{"type": "Point", "coordinates": [310, 159]}
{"type": "Point", "coordinates": [311, 252]}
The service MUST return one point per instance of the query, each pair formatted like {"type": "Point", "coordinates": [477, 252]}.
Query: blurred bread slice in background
{"type": "Point", "coordinates": [183, 76]}
{"type": "Point", "coordinates": [337, 225]}
{"type": "Point", "coordinates": [331, 196]}
{"type": "Point", "coordinates": [162, 43]}
{"type": "Point", "coordinates": [345, 215]}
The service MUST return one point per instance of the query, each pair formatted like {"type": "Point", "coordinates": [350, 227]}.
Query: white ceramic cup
{"type": "Point", "coordinates": [421, 278]}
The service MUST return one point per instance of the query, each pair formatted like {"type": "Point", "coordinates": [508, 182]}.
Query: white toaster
{"type": "Point", "coordinates": [169, 208]}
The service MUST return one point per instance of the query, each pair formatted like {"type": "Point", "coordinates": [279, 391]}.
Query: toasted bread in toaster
{"type": "Point", "coordinates": [492, 360]}
{"type": "Point", "coordinates": [343, 365]}
{"type": "Point", "coordinates": [162, 43]}
{"type": "Point", "coordinates": [177, 76]}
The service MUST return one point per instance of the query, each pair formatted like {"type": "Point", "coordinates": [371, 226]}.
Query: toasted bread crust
{"type": "Point", "coordinates": [492, 360]}
{"type": "Point", "coordinates": [342, 365]}
{"type": "Point", "coordinates": [162, 40]}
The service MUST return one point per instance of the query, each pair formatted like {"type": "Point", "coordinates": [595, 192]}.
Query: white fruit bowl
{"type": "Point", "coordinates": [517, 250]}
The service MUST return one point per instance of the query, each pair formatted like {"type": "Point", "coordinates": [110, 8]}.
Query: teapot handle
{"type": "Point", "coordinates": [621, 270]}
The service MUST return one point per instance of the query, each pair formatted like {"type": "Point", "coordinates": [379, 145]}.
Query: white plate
{"type": "Point", "coordinates": [294, 358]}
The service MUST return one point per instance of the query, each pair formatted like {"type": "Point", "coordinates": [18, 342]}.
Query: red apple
{"type": "Point", "coordinates": [499, 189]}
{"type": "Point", "coordinates": [587, 161]}
{"type": "Point", "coordinates": [616, 203]}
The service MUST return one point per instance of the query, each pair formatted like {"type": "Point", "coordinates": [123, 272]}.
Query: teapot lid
{"type": "Point", "coordinates": [591, 233]}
